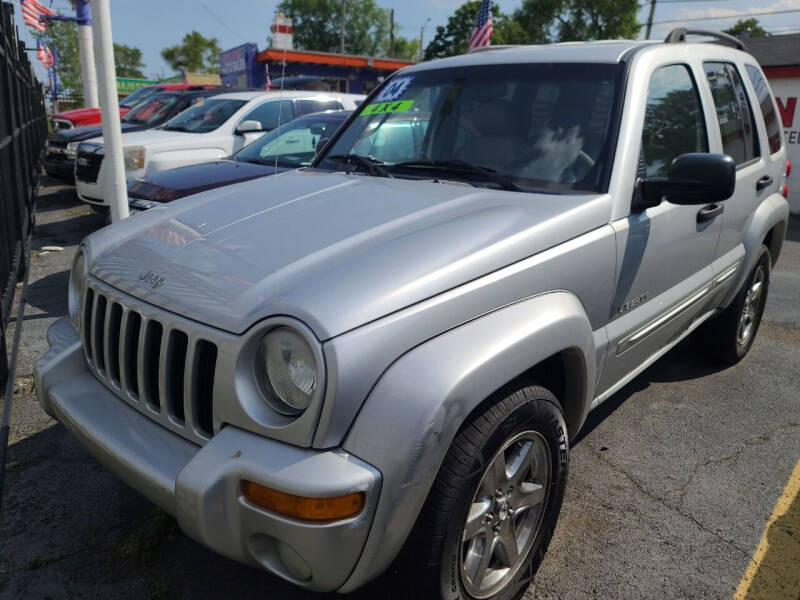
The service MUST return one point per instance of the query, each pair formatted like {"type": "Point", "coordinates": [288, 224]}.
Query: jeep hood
{"type": "Point", "coordinates": [334, 250]}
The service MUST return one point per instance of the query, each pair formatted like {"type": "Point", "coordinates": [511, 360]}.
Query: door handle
{"type": "Point", "coordinates": [709, 212]}
{"type": "Point", "coordinates": [765, 181]}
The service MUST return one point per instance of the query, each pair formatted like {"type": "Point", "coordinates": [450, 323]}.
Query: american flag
{"type": "Point", "coordinates": [31, 11]}
{"type": "Point", "coordinates": [44, 54]}
{"type": "Point", "coordinates": [482, 35]}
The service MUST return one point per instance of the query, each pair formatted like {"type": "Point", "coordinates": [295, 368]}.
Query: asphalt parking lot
{"type": "Point", "coordinates": [681, 484]}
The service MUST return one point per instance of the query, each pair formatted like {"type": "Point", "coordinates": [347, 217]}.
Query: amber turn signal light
{"type": "Point", "coordinates": [299, 507]}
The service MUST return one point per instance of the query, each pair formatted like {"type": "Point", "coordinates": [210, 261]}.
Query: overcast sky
{"type": "Point", "coordinates": [155, 24]}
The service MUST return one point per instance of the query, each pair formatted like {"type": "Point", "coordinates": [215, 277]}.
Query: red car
{"type": "Point", "coordinates": [91, 116]}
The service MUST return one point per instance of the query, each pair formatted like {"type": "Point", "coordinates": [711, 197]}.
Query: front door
{"type": "Point", "coordinates": [664, 253]}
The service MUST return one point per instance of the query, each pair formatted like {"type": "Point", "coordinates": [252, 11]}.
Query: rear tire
{"type": "Point", "coordinates": [500, 488]}
{"type": "Point", "coordinates": [730, 335]}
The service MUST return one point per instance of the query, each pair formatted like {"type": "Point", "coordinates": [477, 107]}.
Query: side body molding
{"type": "Point", "coordinates": [415, 411]}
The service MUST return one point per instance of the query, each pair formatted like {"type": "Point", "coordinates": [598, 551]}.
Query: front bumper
{"type": "Point", "coordinates": [200, 486]}
{"type": "Point", "coordinates": [59, 166]}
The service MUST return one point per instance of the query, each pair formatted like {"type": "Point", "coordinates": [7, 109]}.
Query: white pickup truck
{"type": "Point", "coordinates": [211, 129]}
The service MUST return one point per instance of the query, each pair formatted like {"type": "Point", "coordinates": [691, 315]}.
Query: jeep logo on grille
{"type": "Point", "coordinates": [152, 279]}
{"type": "Point", "coordinates": [83, 161]}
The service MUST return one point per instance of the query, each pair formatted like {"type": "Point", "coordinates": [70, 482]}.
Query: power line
{"type": "Point", "coordinates": [720, 17]}
{"type": "Point", "coordinates": [220, 21]}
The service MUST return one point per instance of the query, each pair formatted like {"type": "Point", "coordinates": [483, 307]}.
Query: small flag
{"type": "Point", "coordinates": [44, 54]}
{"type": "Point", "coordinates": [482, 35]}
{"type": "Point", "coordinates": [32, 10]}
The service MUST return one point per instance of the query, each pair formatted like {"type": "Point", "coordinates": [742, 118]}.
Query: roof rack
{"type": "Point", "coordinates": [679, 35]}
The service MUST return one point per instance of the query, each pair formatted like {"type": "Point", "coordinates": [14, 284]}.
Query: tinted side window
{"type": "Point", "coordinates": [271, 114]}
{"type": "Point", "coordinates": [305, 107]}
{"type": "Point", "coordinates": [767, 108]}
{"type": "Point", "coordinates": [673, 122]}
{"type": "Point", "coordinates": [733, 112]}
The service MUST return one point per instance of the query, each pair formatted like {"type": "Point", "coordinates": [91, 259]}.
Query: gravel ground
{"type": "Point", "coordinates": [672, 481]}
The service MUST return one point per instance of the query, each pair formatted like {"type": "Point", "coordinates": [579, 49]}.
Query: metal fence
{"type": "Point", "coordinates": [23, 129]}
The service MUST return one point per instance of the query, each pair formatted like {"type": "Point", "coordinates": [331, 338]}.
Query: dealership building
{"type": "Point", "coordinates": [246, 66]}
{"type": "Point", "coordinates": [779, 57]}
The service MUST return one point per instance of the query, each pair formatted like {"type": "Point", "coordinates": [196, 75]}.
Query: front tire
{"type": "Point", "coordinates": [493, 507]}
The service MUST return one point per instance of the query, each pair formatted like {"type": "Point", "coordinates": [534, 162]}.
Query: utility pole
{"type": "Point", "coordinates": [341, 43]}
{"type": "Point", "coordinates": [649, 27]}
{"type": "Point", "coordinates": [88, 74]}
{"type": "Point", "coordinates": [116, 189]}
{"type": "Point", "coordinates": [421, 37]}
{"type": "Point", "coordinates": [391, 32]}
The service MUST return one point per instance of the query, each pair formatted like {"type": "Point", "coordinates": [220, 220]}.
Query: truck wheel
{"type": "Point", "coordinates": [494, 505]}
{"type": "Point", "coordinates": [729, 336]}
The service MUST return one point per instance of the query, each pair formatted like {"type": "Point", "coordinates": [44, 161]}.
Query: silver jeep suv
{"type": "Point", "coordinates": [381, 359]}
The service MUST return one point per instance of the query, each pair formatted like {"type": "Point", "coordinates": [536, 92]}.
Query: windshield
{"type": "Point", "coordinates": [205, 115]}
{"type": "Point", "coordinates": [529, 127]}
{"type": "Point", "coordinates": [138, 95]}
{"type": "Point", "coordinates": [293, 145]}
{"type": "Point", "coordinates": [153, 110]}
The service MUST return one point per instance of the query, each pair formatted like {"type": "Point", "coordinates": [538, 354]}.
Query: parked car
{"type": "Point", "coordinates": [210, 130]}
{"type": "Point", "coordinates": [91, 115]}
{"type": "Point", "coordinates": [61, 147]}
{"type": "Point", "coordinates": [300, 82]}
{"type": "Point", "coordinates": [288, 147]}
{"type": "Point", "coordinates": [381, 359]}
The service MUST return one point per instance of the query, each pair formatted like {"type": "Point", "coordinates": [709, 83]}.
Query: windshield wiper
{"type": "Point", "coordinates": [463, 166]}
{"type": "Point", "coordinates": [173, 128]}
{"type": "Point", "coordinates": [374, 167]}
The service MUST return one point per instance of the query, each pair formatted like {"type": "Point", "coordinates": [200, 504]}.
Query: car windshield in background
{"type": "Point", "coordinates": [293, 145]}
{"type": "Point", "coordinates": [530, 127]}
{"type": "Point", "coordinates": [153, 110]}
{"type": "Point", "coordinates": [139, 95]}
{"type": "Point", "coordinates": [205, 115]}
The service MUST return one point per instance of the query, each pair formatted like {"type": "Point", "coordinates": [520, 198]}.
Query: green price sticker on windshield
{"type": "Point", "coordinates": [381, 108]}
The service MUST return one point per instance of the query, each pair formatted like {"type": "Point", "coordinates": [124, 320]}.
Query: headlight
{"type": "Point", "coordinates": [77, 286]}
{"type": "Point", "coordinates": [134, 158]}
{"type": "Point", "coordinates": [72, 149]}
{"type": "Point", "coordinates": [289, 370]}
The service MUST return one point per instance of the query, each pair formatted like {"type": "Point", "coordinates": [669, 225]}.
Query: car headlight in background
{"type": "Point", "coordinates": [289, 370]}
{"type": "Point", "coordinates": [72, 149]}
{"type": "Point", "coordinates": [76, 289]}
{"type": "Point", "coordinates": [134, 158]}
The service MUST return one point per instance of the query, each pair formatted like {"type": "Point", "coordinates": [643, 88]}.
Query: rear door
{"type": "Point", "coordinates": [664, 253]}
{"type": "Point", "coordinates": [739, 138]}
{"type": "Point", "coordinates": [270, 114]}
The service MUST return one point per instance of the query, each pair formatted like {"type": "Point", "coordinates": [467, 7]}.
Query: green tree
{"type": "Point", "coordinates": [536, 19]}
{"type": "Point", "coordinates": [404, 48]}
{"type": "Point", "coordinates": [317, 25]}
{"type": "Point", "coordinates": [196, 54]}
{"type": "Point", "coordinates": [453, 38]}
{"type": "Point", "coordinates": [598, 20]}
{"type": "Point", "coordinates": [749, 26]}
{"type": "Point", "coordinates": [128, 61]}
{"type": "Point", "coordinates": [63, 38]}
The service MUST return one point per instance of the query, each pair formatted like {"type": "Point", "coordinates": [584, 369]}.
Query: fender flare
{"type": "Point", "coordinates": [412, 415]}
{"type": "Point", "coordinates": [772, 211]}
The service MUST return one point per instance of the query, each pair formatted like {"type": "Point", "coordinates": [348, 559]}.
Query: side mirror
{"type": "Point", "coordinates": [321, 144]}
{"type": "Point", "coordinates": [246, 126]}
{"type": "Point", "coordinates": [693, 178]}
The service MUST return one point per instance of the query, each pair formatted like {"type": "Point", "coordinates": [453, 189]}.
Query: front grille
{"type": "Point", "coordinates": [56, 149]}
{"type": "Point", "coordinates": [87, 166]}
{"type": "Point", "coordinates": [163, 371]}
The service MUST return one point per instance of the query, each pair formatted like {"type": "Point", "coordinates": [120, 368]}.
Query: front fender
{"type": "Point", "coordinates": [415, 411]}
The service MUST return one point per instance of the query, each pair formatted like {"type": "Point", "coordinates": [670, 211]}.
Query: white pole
{"type": "Point", "coordinates": [116, 190]}
{"type": "Point", "coordinates": [88, 74]}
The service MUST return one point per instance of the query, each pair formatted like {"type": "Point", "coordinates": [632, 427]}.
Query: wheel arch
{"type": "Point", "coordinates": [429, 393]}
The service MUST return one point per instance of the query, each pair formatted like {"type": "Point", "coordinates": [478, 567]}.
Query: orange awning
{"type": "Point", "coordinates": [328, 58]}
